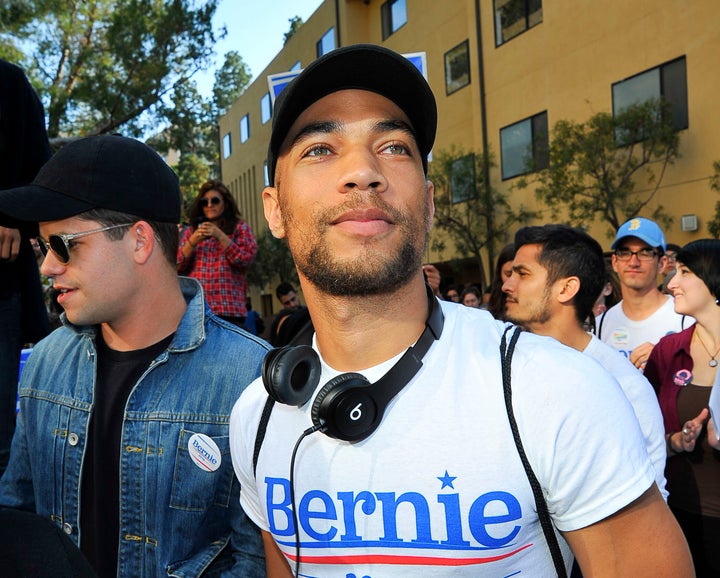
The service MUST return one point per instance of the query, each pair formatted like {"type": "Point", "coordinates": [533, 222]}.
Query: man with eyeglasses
{"type": "Point", "coordinates": [122, 435]}
{"type": "Point", "coordinates": [645, 314]}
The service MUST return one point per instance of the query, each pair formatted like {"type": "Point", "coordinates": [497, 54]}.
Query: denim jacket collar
{"type": "Point", "coordinates": [190, 333]}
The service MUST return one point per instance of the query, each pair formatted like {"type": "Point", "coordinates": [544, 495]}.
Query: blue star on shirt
{"type": "Point", "coordinates": [447, 480]}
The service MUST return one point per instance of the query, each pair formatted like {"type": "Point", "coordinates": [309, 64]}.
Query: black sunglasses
{"type": "Point", "coordinates": [61, 244]}
{"type": "Point", "coordinates": [210, 201]}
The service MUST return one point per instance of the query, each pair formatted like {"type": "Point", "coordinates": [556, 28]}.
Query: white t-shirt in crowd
{"type": "Point", "coordinates": [621, 333]}
{"type": "Point", "coordinates": [439, 488]}
{"type": "Point", "coordinates": [643, 400]}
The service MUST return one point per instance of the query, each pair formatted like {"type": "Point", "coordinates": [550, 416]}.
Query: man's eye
{"type": "Point", "coordinates": [396, 149]}
{"type": "Point", "coordinates": [318, 151]}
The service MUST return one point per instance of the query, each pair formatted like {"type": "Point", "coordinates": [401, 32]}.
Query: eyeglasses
{"type": "Point", "coordinates": [61, 244]}
{"type": "Point", "coordinates": [210, 201]}
{"type": "Point", "coordinates": [641, 254]}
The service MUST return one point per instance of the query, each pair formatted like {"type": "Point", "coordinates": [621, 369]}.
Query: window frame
{"type": "Point", "coordinates": [319, 51]}
{"type": "Point", "coordinates": [452, 58]}
{"type": "Point", "coordinates": [464, 165]}
{"type": "Point", "coordinates": [532, 16]}
{"type": "Point", "coordinates": [389, 24]}
{"type": "Point", "coordinates": [244, 124]}
{"type": "Point", "coordinates": [671, 87]}
{"type": "Point", "coordinates": [266, 108]}
{"type": "Point", "coordinates": [537, 147]}
{"type": "Point", "coordinates": [227, 145]}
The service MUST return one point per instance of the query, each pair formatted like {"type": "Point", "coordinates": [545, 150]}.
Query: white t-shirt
{"type": "Point", "coordinates": [643, 400]}
{"type": "Point", "coordinates": [624, 334]}
{"type": "Point", "coordinates": [439, 488]}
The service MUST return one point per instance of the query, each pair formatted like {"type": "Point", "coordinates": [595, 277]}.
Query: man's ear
{"type": "Point", "coordinates": [143, 238]}
{"type": "Point", "coordinates": [273, 214]}
{"type": "Point", "coordinates": [569, 286]}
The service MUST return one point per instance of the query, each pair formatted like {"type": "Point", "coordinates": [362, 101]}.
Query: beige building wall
{"type": "Point", "coordinates": [565, 65]}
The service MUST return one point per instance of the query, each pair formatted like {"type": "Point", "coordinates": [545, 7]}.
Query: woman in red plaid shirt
{"type": "Point", "coordinates": [217, 250]}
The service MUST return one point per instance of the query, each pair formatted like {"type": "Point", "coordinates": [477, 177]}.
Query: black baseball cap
{"type": "Point", "coordinates": [362, 67]}
{"type": "Point", "coordinates": [98, 172]}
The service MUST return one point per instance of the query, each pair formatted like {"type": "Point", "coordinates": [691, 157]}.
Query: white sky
{"type": "Point", "coordinates": [256, 30]}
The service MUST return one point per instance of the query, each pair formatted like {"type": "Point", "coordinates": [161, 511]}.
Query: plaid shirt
{"type": "Point", "coordinates": [220, 271]}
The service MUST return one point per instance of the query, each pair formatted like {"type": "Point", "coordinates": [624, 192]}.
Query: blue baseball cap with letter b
{"type": "Point", "coordinates": [644, 229]}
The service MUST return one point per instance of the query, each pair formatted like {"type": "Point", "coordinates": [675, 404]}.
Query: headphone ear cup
{"type": "Point", "coordinates": [291, 374]}
{"type": "Point", "coordinates": [345, 409]}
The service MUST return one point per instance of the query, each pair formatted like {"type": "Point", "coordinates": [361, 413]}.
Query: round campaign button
{"type": "Point", "coordinates": [204, 452]}
{"type": "Point", "coordinates": [682, 377]}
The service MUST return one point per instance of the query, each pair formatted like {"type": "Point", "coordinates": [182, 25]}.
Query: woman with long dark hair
{"type": "Point", "coordinates": [217, 249]}
{"type": "Point", "coordinates": [503, 270]}
{"type": "Point", "coordinates": [683, 369]}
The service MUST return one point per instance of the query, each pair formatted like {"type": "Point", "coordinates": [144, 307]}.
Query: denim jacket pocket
{"type": "Point", "coordinates": [195, 487]}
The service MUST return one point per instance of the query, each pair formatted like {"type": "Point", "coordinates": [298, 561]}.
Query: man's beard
{"type": "Point", "coordinates": [373, 272]}
{"type": "Point", "coordinates": [538, 313]}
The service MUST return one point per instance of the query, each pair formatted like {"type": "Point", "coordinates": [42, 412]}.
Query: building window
{"type": "Point", "coordinates": [462, 178]}
{"type": "Point", "coordinates": [394, 16]}
{"type": "Point", "coordinates": [265, 108]}
{"type": "Point", "coordinates": [513, 17]}
{"type": "Point", "coordinates": [244, 128]}
{"type": "Point", "coordinates": [326, 43]}
{"type": "Point", "coordinates": [457, 68]}
{"type": "Point", "coordinates": [667, 82]}
{"type": "Point", "coordinates": [524, 146]}
{"type": "Point", "coordinates": [227, 146]}
{"type": "Point", "coordinates": [266, 175]}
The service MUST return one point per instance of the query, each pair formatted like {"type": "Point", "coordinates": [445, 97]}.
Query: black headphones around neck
{"type": "Point", "coordinates": [348, 407]}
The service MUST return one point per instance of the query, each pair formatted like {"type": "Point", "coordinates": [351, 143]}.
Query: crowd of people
{"type": "Point", "coordinates": [557, 423]}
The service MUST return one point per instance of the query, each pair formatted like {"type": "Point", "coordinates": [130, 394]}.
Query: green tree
{"type": "Point", "coordinates": [192, 128]}
{"type": "Point", "coordinates": [231, 80]}
{"type": "Point", "coordinates": [100, 64]}
{"type": "Point", "coordinates": [714, 225]}
{"type": "Point", "coordinates": [273, 262]}
{"type": "Point", "coordinates": [468, 209]}
{"type": "Point", "coordinates": [594, 166]}
{"type": "Point", "coordinates": [295, 23]}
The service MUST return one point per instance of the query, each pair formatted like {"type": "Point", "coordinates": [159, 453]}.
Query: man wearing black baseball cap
{"type": "Point", "coordinates": [385, 447]}
{"type": "Point", "coordinates": [122, 430]}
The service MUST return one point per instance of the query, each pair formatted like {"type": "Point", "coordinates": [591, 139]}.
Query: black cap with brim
{"type": "Point", "coordinates": [361, 67]}
{"type": "Point", "coordinates": [100, 172]}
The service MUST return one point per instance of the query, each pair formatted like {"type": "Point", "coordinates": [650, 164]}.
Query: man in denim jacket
{"type": "Point", "coordinates": [122, 435]}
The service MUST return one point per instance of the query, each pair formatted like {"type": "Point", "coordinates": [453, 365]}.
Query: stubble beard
{"type": "Point", "coordinates": [373, 272]}
{"type": "Point", "coordinates": [539, 313]}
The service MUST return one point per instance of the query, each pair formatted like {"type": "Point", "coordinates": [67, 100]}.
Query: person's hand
{"type": "Point", "coordinates": [432, 275]}
{"type": "Point", "coordinates": [9, 244]}
{"type": "Point", "coordinates": [209, 229]}
{"type": "Point", "coordinates": [640, 355]}
{"type": "Point", "coordinates": [691, 431]}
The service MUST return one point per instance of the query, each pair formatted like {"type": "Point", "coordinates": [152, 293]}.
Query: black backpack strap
{"type": "Point", "coordinates": [262, 429]}
{"type": "Point", "coordinates": [302, 337]}
{"type": "Point", "coordinates": [506, 353]}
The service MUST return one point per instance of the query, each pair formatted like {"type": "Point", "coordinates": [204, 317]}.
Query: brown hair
{"type": "Point", "coordinates": [231, 214]}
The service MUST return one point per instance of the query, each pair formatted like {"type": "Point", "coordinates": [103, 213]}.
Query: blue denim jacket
{"type": "Point", "coordinates": [176, 518]}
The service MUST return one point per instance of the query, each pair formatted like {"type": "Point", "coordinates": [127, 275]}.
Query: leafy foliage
{"type": "Point", "coordinates": [295, 23]}
{"type": "Point", "coordinates": [594, 166]}
{"type": "Point", "coordinates": [714, 225]}
{"type": "Point", "coordinates": [231, 80]}
{"type": "Point", "coordinates": [100, 64]}
{"type": "Point", "coordinates": [468, 209]}
{"type": "Point", "coordinates": [273, 261]}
